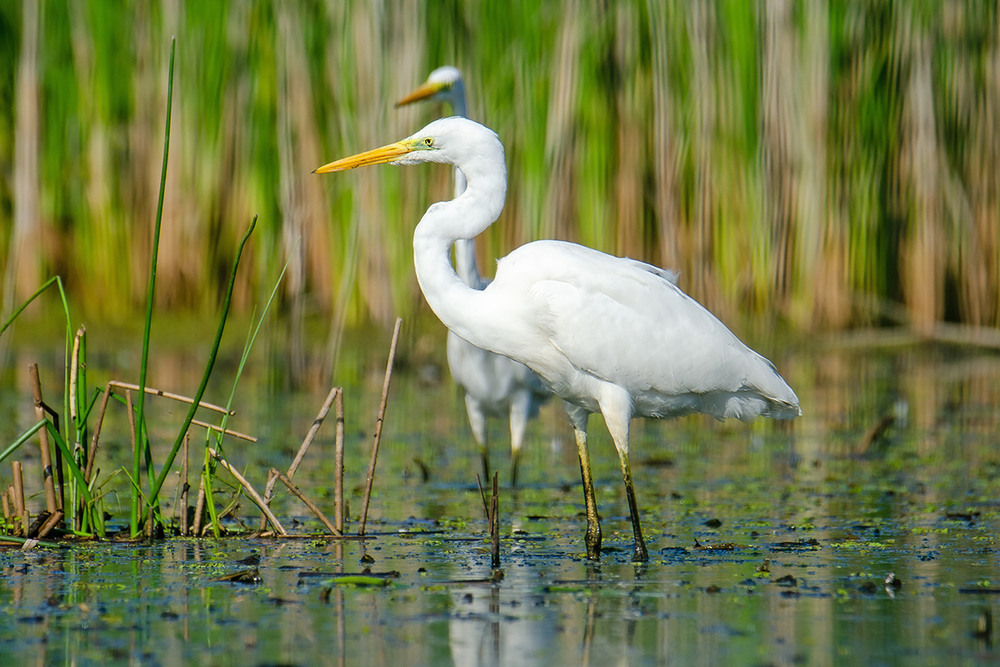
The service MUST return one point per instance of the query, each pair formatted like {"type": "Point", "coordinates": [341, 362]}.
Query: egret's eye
{"type": "Point", "coordinates": [429, 142]}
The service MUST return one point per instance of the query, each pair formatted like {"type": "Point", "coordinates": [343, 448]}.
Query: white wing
{"type": "Point", "coordinates": [627, 323]}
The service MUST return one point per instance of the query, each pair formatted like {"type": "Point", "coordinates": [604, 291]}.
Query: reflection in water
{"type": "Point", "coordinates": [500, 624]}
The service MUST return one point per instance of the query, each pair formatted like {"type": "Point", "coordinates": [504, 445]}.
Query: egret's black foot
{"type": "Point", "coordinates": [640, 555]}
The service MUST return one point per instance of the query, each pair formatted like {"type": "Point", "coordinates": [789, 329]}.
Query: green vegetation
{"type": "Point", "coordinates": [830, 164]}
{"type": "Point", "coordinates": [84, 512]}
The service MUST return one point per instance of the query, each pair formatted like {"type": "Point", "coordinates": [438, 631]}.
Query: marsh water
{"type": "Point", "coordinates": [864, 532]}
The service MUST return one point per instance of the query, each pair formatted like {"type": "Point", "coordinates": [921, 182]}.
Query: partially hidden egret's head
{"type": "Point", "coordinates": [444, 84]}
{"type": "Point", "coordinates": [453, 140]}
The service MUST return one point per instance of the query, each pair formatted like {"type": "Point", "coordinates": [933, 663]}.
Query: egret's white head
{"type": "Point", "coordinates": [471, 147]}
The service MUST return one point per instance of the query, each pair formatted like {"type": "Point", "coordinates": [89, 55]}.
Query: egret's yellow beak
{"type": "Point", "coordinates": [428, 89]}
{"type": "Point", "coordinates": [374, 156]}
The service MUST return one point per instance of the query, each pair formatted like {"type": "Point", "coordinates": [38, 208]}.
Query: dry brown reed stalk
{"type": "Point", "coordinates": [74, 373]}
{"type": "Point", "coordinates": [305, 229]}
{"type": "Point", "coordinates": [224, 431]}
{"type": "Point", "coordinates": [251, 492]}
{"type": "Point", "coordinates": [43, 441]}
{"type": "Point", "coordinates": [338, 466]}
{"type": "Point", "coordinates": [817, 275]}
{"type": "Point", "coordinates": [199, 507]}
{"type": "Point", "coordinates": [378, 427]}
{"type": "Point", "coordinates": [369, 215]}
{"type": "Point", "coordinates": [6, 505]}
{"type": "Point", "coordinates": [24, 255]}
{"type": "Point", "coordinates": [20, 508]}
{"type": "Point", "coordinates": [664, 150]}
{"type": "Point", "coordinates": [176, 397]}
{"type": "Point", "coordinates": [700, 32]}
{"type": "Point", "coordinates": [781, 146]}
{"type": "Point", "coordinates": [95, 439]}
{"type": "Point", "coordinates": [110, 388]}
{"type": "Point", "coordinates": [303, 448]}
{"type": "Point", "coordinates": [922, 262]}
{"type": "Point", "coordinates": [301, 496]}
{"type": "Point", "coordinates": [560, 144]}
{"type": "Point", "coordinates": [630, 143]}
{"type": "Point", "coordinates": [51, 522]}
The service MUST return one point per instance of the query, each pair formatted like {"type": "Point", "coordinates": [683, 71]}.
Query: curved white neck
{"type": "Point", "coordinates": [456, 222]}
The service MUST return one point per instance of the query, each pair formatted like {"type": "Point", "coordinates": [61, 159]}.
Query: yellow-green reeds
{"type": "Point", "coordinates": [829, 164]}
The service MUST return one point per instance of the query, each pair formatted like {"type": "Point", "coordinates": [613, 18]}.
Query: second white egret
{"type": "Point", "coordinates": [493, 385]}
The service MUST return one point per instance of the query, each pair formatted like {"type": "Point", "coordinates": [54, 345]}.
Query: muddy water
{"type": "Point", "coordinates": [768, 545]}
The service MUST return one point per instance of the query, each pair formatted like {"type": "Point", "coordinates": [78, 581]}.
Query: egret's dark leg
{"type": "Point", "coordinates": [617, 408]}
{"type": "Point", "coordinates": [589, 498]}
{"type": "Point", "coordinates": [640, 555]}
{"type": "Point", "coordinates": [578, 418]}
{"type": "Point", "coordinates": [514, 459]}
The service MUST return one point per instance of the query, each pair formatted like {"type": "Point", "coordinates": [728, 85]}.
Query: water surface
{"type": "Point", "coordinates": [769, 543]}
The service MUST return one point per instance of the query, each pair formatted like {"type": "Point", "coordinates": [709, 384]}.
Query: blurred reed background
{"type": "Point", "coordinates": [824, 164]}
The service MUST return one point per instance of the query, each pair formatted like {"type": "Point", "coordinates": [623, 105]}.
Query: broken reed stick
{"type": "Point", "coordinates": [109, 391]}
{"type": "Point", "coordinates": [251, 492]}
{"type": "Point", "coordinates": [378, 427]}
{"type": "Point", "coordinates": [272, 478]}
{"type": "Point", "coordinates": [49, 523]}
{"type": "Point", "coordinates": [301, 496]}
{"type": "Point", "coordinates": [74, 371]}
{"type": "Point", "coordinates": [224, 431]}
{"type": "Point", "coordinates": [313, 430]}
{"type": "Point", "coordinates": [170, 395]}
{"type": "Point", "coordinates": [199, 507]}
{"type": "Point", "coordinates": [299, 455]}
{"type": "Point", "coordinates": [19, 506]}
{"type": "Point", "coordinates": [43, 441]}
{"type": "Point", "coordinates": [338, 466]}
{"type": "Point", "coordinates": [92, 454]}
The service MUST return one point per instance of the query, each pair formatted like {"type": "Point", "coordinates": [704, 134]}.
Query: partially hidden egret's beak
{"type": "Point", "coordinates": [374, 156]}
{"type": "Point", "coordinates": [428, 89]}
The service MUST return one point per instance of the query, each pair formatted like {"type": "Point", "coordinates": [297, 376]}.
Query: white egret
{"type": "Point", "coordinates": [492, 384]}
{"type": "Point", "coordinates": [607, 334]}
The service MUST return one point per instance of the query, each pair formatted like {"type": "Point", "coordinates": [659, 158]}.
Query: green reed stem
{"type": "Point", "coordinates": [141, 442]}
{"type": "Point", "coordinates": [22, 439]}
{"type": "Point", "coordinates": [207, 474]}
{"type": "Point", "coordinates": [165, 470]}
